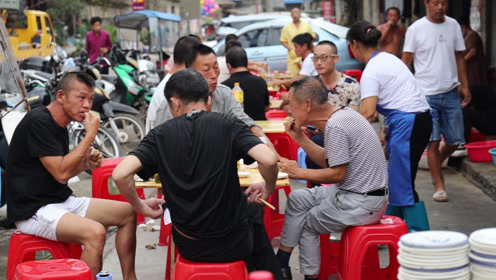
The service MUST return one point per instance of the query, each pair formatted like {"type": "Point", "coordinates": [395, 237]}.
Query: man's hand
{"type": "Point", "coordinates": [294, 131]}
{"type": "Point", "coordinates": [289, 166]}
{"type": "Point", "coordinates": [91, 124]}
{"type": "Point", "coordinates": [152, 208]}
{"type": "Point", "coordinates": [93, 159]}
{"type": "Point", "coordinates": [256, 191]}
{"type": "Point", "coordinates": [466, 95]}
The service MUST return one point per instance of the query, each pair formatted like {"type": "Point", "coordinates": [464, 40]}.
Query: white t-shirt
{"type": "Point", "coordinates": [157, 98]}
{"type": "Point", "coordinates": [307, 67]}
{"type": "Point", "coordinates": [433, 46]}
{"type": "Point", "coordinates": [388, 78]}
{"type": "Point", "coordinates": [224, 71]}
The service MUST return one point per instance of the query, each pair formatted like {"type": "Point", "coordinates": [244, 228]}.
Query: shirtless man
{"type": "Point", "coordinates": [393, 34]}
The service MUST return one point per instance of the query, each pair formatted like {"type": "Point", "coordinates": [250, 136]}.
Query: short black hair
{"type": "Point", "coordinates": [200, 49]}
{"type": "Point", "coordinates": [230, 44]}
{"type": "Point", "coordinates": [330, 44]}
{"type": "Point", "coordinates": [364, 32]}
{"type": "Point", "coordinates": [393, 8]}
{"type": "Point", "coordinates": [67, 81]}
{"type": "Point", "coordinates": [184, 47]}
{"type": "Point", "coordinates": [463, 20]}
{"type": "Point", "coordinates": [236, 56]}
{"type": "Point", "coordinates": [304, 39]}
{"type": "Point", "coordinates": [93, 20]}
{"type": "Point", "coordinates": [230, 37]}
{"type": "Point", "coordinates": [188, 85]}
{"type": "Point", "coordinates": [310, 88]}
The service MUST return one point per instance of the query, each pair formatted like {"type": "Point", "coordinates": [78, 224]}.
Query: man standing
{"type": "Point", "coordinates": [38, 167]}
{"type": "Point", "coordinates": [288, 33]}
{"type": "Point", "coordinates": [256, 95]}
{"type": "Point", "coordinates": [195, 154]}
{"type": "Point", "coordinates": [393, 34]}
{"type": "Point", "coordinates": [98, 41]}
{"type": "Point", "coordinates": [203, 59]}
{"type": "Point", "coordinates": [182, 49]}
{"type": "Point", "coordinates": [352, 158]}
{"type": "Point", "coordinates": [435, 45]}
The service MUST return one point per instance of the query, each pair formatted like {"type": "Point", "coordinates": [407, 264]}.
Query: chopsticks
{"type": "Point", "coordinates": [266, 203]}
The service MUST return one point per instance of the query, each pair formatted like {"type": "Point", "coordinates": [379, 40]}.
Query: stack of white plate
{"type": "Point", "coordinates": [483, 254]}
{"type": "Point", "coordinates": [433, 255]}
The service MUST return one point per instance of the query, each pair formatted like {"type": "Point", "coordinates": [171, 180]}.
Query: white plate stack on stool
{"type": "Point", "coordinates": [483, 254]}
{"type": "Point", "coordinates": [433, 255]}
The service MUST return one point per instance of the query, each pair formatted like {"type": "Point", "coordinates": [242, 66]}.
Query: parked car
{"type": "Point", "coordinates": [261, 42]}
{"type": "Point", "coordinates": [233, 23]}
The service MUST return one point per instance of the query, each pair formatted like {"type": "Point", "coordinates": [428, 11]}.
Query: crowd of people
{"type": "Point", "coordinates": [197, 132]}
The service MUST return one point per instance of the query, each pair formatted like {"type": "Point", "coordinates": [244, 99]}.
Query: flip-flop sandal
{"type": "Point", "coordinates": [440, 196]}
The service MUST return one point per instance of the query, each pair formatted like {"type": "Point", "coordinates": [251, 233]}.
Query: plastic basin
{"type": "Point", "coordinates": [479, 151]}
{"type": "Point", "coordinates": [493, 154]}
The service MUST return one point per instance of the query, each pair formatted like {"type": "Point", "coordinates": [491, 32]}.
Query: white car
{"type": "Point", "coordinates": [261, 43]}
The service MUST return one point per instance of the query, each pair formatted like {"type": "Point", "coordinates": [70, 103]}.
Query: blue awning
{"type": "Point", "coordinates": [294, 1]}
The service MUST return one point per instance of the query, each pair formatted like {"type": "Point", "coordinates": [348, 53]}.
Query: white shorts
{"type": "Point", "coordinates": [44, 222]}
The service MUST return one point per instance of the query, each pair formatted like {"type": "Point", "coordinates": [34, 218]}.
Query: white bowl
{"type": "Point", "coordinates": [282, 175]}
{"type": "Point", "coordinates": [434, 239]}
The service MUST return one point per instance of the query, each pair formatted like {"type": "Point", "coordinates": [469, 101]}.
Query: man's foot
{"type": "Point", "coordinates": [286, 273]}
{"type": "Point", "coordinates": [440, 196]}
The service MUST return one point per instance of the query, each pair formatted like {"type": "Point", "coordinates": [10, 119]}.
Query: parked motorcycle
{"type": "Point", "coordinates": [131, 86]}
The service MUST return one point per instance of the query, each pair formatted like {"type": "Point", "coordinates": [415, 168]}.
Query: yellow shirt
{"type": "Point", "coordinates": [289, 32]}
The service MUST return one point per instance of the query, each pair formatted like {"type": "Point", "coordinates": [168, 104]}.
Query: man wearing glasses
{"type": "Point", "coordinates": [342, 89]}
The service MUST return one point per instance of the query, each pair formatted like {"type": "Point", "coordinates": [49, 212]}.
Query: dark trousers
{"type": "Point", "coordinates": [248, 242]}
{"type": "Point", "coordinates": [482, 120]}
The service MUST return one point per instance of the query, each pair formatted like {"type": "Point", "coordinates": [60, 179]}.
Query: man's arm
{"type": "Point", "coordinates": [463, 89]}
{"type": "Point", "coordinates": [369, 107]}
{"type": "Point", "coordinates": [315, 152]}
{"type": "Point", "coordinates": [267, 165]}
{"type": "Point", "coordinates": [62, 168]}
{"type": "Point", "coordinates": [384, 28]}
{"type": "Point", "coordinates": [328, 175]}
{"type": "Point", "coordinates": [407, 58]}
{"type": "Point", "coordinates": [123, 176]}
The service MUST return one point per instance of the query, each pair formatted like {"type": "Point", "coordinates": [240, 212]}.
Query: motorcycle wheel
{"type": "Point", "coordinates": [131, 130]}
{"type": "Point", "coordinates": [105, 142]}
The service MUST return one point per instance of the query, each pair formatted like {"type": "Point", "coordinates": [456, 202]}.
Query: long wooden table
{"type": "Point", "coordinates": [244, 182]}
{"type": "Point", "coordinates": [272, 126]}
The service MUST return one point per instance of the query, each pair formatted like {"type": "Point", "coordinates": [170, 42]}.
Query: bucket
{"type": "Point", "coordinates": [493, 154]}
{"type": "Point", "coordinates": [478, 151]}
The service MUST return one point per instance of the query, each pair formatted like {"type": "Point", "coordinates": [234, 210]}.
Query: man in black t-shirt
{"type": "Point", "coordinates": [195, 155]}
{"type": "Point", "coordinates": [256, 94]}
{"type": "Point", "coordinates": [39, 165]}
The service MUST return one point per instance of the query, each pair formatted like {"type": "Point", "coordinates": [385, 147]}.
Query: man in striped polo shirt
{"type": "Point", "coordinates": [352, 159]}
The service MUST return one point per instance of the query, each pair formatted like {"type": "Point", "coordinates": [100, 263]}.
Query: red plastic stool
{"type": "Point", "coordinates": [359, 254]}
{"type": "Point", "coordinates": [260, 275]}
{"type": "Point", "coordinates": [23, 247]}
{"type": "Point", "coordinates": [53, 270]}
{"type": "Point", "coordinates": [102, 185]}
{"type": "Point", "coordinates": [170, 247]}
{"type": "Point", "coordinates": [165, 233]}
{"type": "Point", "coordinates": [188, 270]}
{"type": "Point", "coordinates": [273, 220]}
{"type": "Point", "coordinates": [329, 257]}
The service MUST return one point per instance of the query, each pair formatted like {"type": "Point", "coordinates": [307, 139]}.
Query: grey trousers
{"type": "Point", "coordinates": [322, 210]}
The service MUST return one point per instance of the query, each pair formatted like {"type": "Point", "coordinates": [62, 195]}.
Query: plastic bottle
{"type": "Point", "coordinates": [104, 275]}
{"type": "Point", "coordinates": [238, 93]}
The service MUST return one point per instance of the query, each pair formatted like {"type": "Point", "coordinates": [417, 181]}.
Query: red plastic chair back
{"type": "Point", "coordinates": [23, 248]}
{"type": "Point", "coordinates": [57, 269]}
{"type": "Point", "coordinates": [275, 114]}
{"type": "Point", "coordinates": [285, 145]}
{"type": "Point", "coordinates": [188, 270]}
{"type": "Point", "coordinates": [354, 73]}
{"type": "Point", "coordinates": [103, 186]}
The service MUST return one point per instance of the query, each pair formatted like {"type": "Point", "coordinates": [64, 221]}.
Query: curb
{"type": "Point", "coordinates": [481, 174]}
